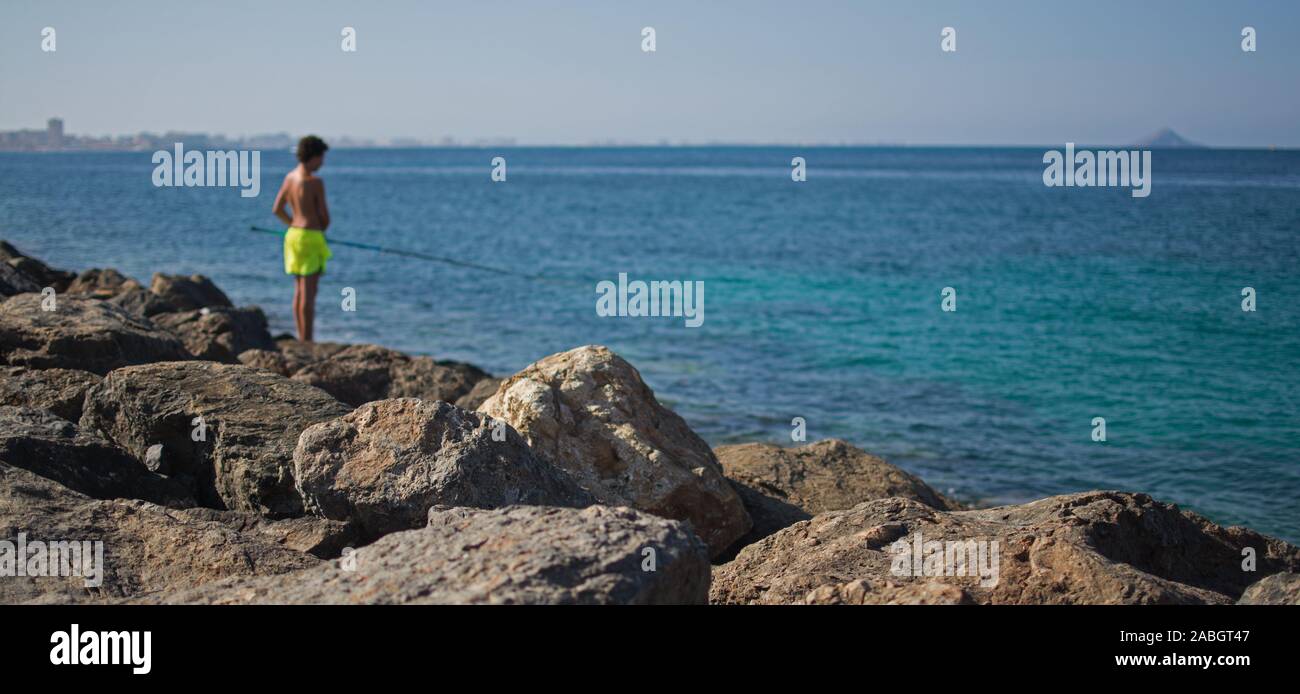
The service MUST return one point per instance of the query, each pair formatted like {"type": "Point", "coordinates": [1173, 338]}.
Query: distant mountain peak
{"type": "Point", "coordinates": [1166, 137]}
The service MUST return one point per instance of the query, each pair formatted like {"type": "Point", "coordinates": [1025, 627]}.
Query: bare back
{"type": "Point", "coordinates": [304, 195]}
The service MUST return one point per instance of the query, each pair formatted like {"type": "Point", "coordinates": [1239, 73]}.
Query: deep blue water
{"type": "Point", "coordinates": [822, 298]}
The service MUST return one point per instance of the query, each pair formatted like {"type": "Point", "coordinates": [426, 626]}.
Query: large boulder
{"type": "Point", "coordinates": [1086, 548]}
{"type": "Point", "coordinates": [57, 449]}
{"type": "Point", "coordinates": [60, 391]}
{"type": "Point", "coordinates": [144, 548]}
{"type": "Point", "coordinates": [241, 457]}
{"type": "Point", "coordinates": [218, 334]}
{"type": "Point", "coordinates": [782, 486]}
{"type": "Point", "coordinates": [1278, 589]}
{"type": "Point", "coordinates": [189, 293]}
{"type": "Point", "coordinates": [359, 374]}
{"type": "Point", "coordinates": [588, 411]}
{"type": "Point", "coordinates": [38, 272]}
{"type": "Point", "coordinates": [516, 555]}
{"type": "Point", "coordinates": [387, 463]}
{"type": "Point", "coordinates": [80, 333]}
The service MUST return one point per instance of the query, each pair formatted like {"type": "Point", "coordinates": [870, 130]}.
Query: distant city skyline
{"type": "Point", "coordinates": [54, 138]}
{"type": "Point", "coordinates": [574, 73]}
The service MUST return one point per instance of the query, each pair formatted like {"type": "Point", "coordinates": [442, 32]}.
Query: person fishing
{"type": "Point", "coordinates": [305, 250]}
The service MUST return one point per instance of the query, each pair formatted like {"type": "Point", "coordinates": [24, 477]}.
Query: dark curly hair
{"type": "Point", "coordinates": [311, 146]}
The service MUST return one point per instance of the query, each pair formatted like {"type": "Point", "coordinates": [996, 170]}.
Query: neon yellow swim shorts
{"type": "Point", "coordinates": [305, 251]}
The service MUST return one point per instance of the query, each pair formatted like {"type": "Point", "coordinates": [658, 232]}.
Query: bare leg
{"type": "Point", "coordinates": [309, 305]}
{"type": "Point", "coordinates": [299, 292]}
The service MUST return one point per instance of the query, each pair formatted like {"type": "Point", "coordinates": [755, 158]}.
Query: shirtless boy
{"type": "Point", "coordinates": [305, 250]}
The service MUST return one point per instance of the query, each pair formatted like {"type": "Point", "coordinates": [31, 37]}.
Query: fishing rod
{"type": "Point", "coordinates": [426, 256]}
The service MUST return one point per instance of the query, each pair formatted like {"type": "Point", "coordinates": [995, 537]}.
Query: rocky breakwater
{"type": "Point", "coordinates": [211, 464]}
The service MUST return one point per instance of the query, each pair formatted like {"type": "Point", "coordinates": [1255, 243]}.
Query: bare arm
{"type": "Point", "coordinates": [281, 203]}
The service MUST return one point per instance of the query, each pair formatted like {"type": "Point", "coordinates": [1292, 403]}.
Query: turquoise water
{"type": "Point", "coordinates": [822, 298]}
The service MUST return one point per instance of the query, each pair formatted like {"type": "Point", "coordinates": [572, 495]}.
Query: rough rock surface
{"type": "Point", "coordinates": [299, 354]}
{"type": "Point", "coordinates": [101, 283]}
{"type": "Point", "coordinates": [251, 422]}
{"type": "Point", "coordinates": [588, 411]}
{"type": "Point", "coordinates": [782, 486]}
{"type": "Point", "coordinates": [141, 302]}
{"type": "Point", "coordinates": [81, 333]}
{"type": "Point", "coordinates": [516, 555]}
{"type": "Point", "coordinates": [218, 334]}
{"type": "Point", "coordinates": [319, 537]}
{"type": "Point", "coordinates": [59, 450]}
{"type": "Point", "coordinates": [359, 374]}
{"type": "Point", "coordinates": [146, 548]}
{"type": "Point", "coordinates": [862, 592]}
{"type": "Point", "coordinates": [266, 359]}
{"type": "Point", "coordinates": [38, 272]}
{"type": "Point", "coordinates": [189, 293]}
{"type": "Point", "coordinates": [60, 391]}
{"type": "Point", "coordinates": [388, 462]}
{"type": "Point", "coordinates": [1092, 548]}
{"type": "Point", "coordinates": [1278, 589]}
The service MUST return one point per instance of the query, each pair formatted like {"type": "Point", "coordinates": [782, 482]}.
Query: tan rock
{"type": "Point", "coordinates": [146, 548]}
{"type": "Point", "coordinates": [588, 411]}
{"type": "Point", "coordinates": [81, 333]}
{"type": "Point", "coordinates": [1278, 589]}
{"type": "Point", "coordinates": [385, 464]}
{"type": "Point", "coordinates": [1089, 548]}
{"type": "Point", "coordinates": [512, 556]}
{"type": "Point", "coordinates": [59, 391]}
{"type": "Point", "coordinates": [251, 421]}
{"type": "Point", "coordinates": [782, 486]}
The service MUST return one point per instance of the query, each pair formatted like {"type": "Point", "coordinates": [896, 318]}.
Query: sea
{"type": "Point", "coordinates": [823, 298]}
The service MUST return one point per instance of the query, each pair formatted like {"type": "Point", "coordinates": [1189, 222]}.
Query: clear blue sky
{"type": "Point", "coordinates": [1031, 71]}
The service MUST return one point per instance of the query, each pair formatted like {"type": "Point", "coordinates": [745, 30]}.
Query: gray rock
{"type": "Point", "coordinates": [56, 449]}
{"type": "Point", "coordinates": [516, 555]}
{"type": "Point", "coordinates": [386, 463]}
{"type": "Point", "coordinates": [41, 274]}
{"type": "Point", "coordinates": [1278, 589]}
{"type": "Point", "coordinates": [81, 333]}
{"type": "Point", "coordinates": [189, 293]}
{"type": "Point", "coordinates": [251, 422]}
{"type": "Point", "coordinates": [60, 391]}
{"type": "Point", "coordinates": [154, 460]}
{"type": "Point", "coordinates": [1087, 548]}
{"type": "Point", "coordinates": [218, 334]}
{"type": "Point", "coordinates": [145, 548]}
{"type": "Point", "coordinates": [13, 281]}
{"type": "Point", "coordinates": [588, 411]}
